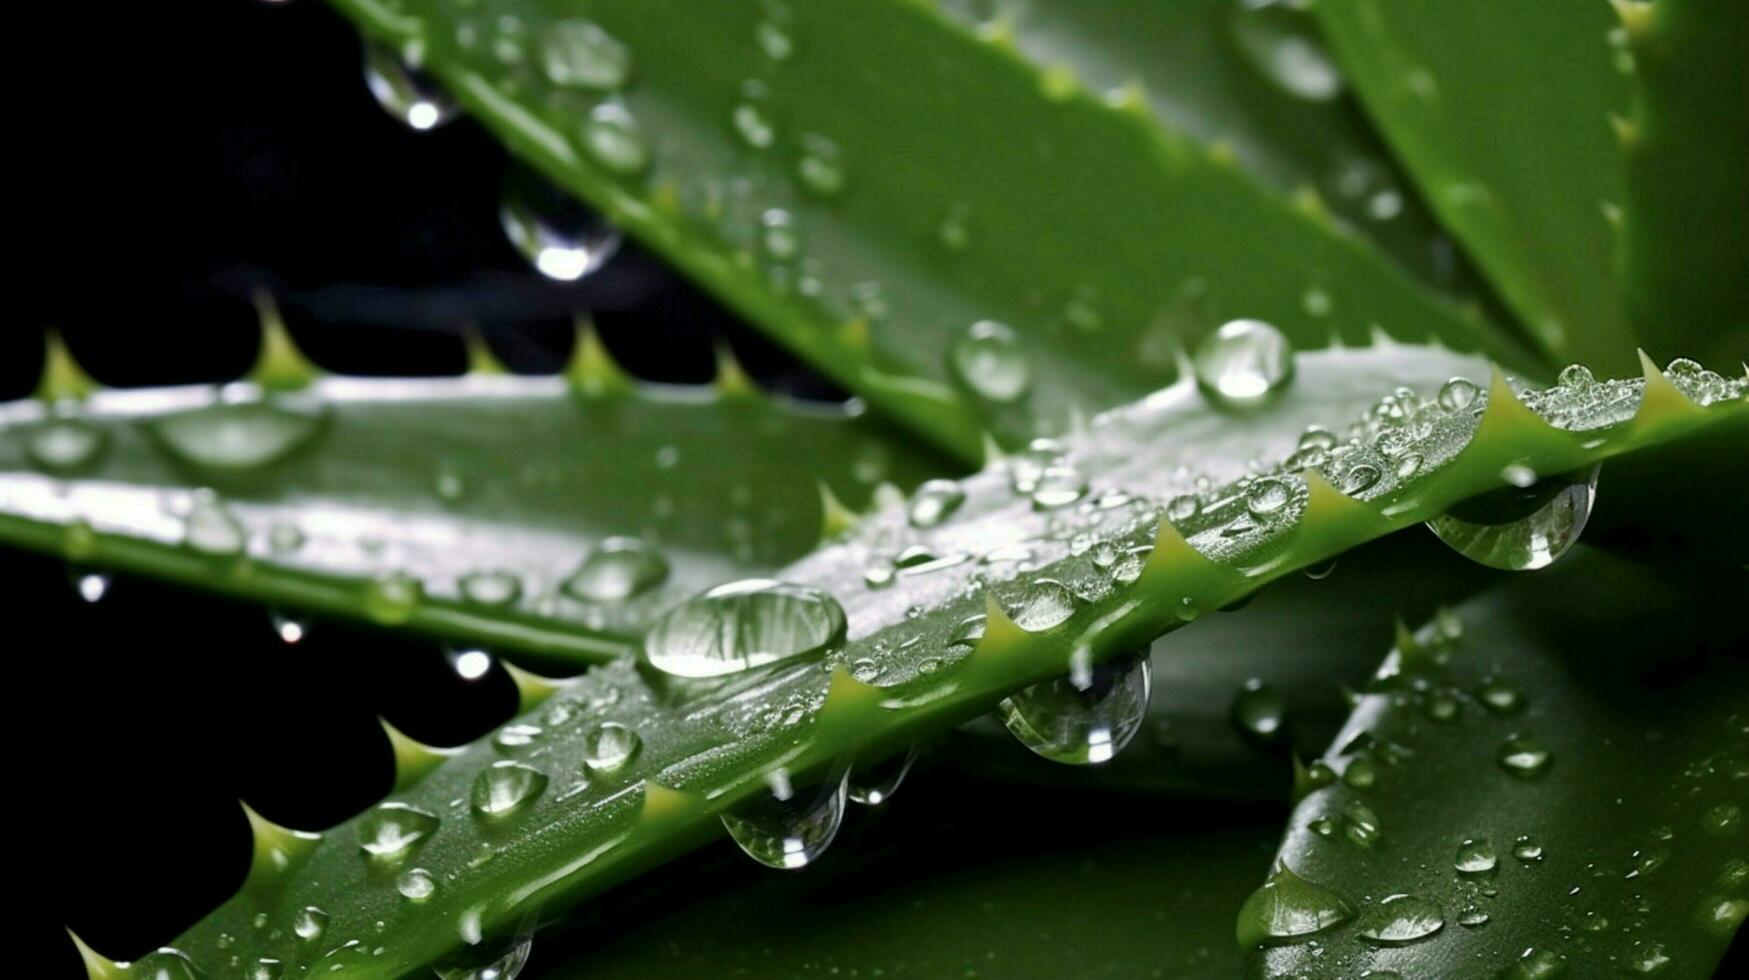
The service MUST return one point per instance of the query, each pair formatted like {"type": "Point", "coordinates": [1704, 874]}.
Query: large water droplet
{"type": "Point", "coordinates": [578, 53]}
{"type": "Point", "coordinates": [610, 747]}
{"type": "Point", "coordinates": [503, 960]}
{"type": "Point", "coordinates": [1524, 757]}
{"type": "Point", "coordinates": [786, 828]}
{"type": "Point", "coordinates": [934, 502]}
{"type": "Point", "coordinates": [416, 885]}
{"type": "Point", "coordinates": [989, 360]}
{"type": "Point", "coordinates": [1058, 486]}
{"type": "Point", "coordinates": [618, 569]}
{"type": "Point", "coordinates": [1243, 362]}
{"type": "Point", "coordinates": [64, 445]}
{"type": "Point", "coordinates": [1521, 528]}
{"type": "Point", "coordinates": [742, 625]}
{"type": "Point", "coordinates": [235, 437]}
{"type": "Point", "coordinates": [309, 923]}
{"type": "Point", "coordinates": [391, 830]}
{"type": "Point", "coordinates": [1082, 720]}
{"type": "Point", "coordinates": [1043, 604]}
{"type": "Point", "coordinates": [1476, 858]}
{"type": "Point", "coordinates": [1289, 909]}
{"type": "Point", "coordinates": [404, 91]}
{"type": "Point", "coordinates": [562, 238]}
{"type": "Point", "coordinates": [505, 787]}
{"type": "Point", "coordinates": [1259, 711]}
{"type": "Point", "coordinates": [1400, 920]}
{"type": "Point", "coordinates": [875, 784]}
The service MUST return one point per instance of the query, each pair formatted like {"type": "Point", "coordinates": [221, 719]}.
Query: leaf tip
{"type": "Point", "coordinates": [97, 966]}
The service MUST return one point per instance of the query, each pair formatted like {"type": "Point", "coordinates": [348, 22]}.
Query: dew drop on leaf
{"type": "Point", "coordinates": [741, 625]}
{"type": "Point", "coordinates": [1289, 909]}
{"type": "Point", "coordinates": [506, 787]}
{"type": "Point", "coordinates": [610, 747]}
{"type": "Point", "coordinates": [488, 961]}
{"type": "Point", "coordinates": [613, 139]}
{"type": "Point", "coordinates": [416, 885]}
{"type": "Point", "coordinates": [1243, 363]}
{"type": "Point", "coordinates": [1258, 710]}
{"type": "Point", "coordinates": [617, 569]}
{"type": "Point", "coordinates": [64, 445]}
{"type": "Point", "coordinates": [390, 831]}
{"type": "Point", "coordinates": [578, 53]}
{"type": "Point", "coordinates": [1082, 720]}
{"type": "Point", "coordinates": [788, 828]}
{"type": "Point", "coordinates": [1524, 757]}
{"type": "Point", "coordinates": [935, 501]}
{"type": "Point", "coordinates": [1400, 920]}
{"type": "Point", "coordinates": [1521, 528]}
{"type": "Point", "coordinates": [989, 360]}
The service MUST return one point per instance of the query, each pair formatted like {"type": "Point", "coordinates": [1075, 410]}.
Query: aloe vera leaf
{"type": "Point", "coordinates": [1249, 79]}
{"type": "Point", "coordinates": [1501, 113]}
{"type": "Point", "coordinates": [1310, 643]}
{"type": "Point", "coordinates": [945, 881]}
{"type": "Point", "coordinates": [459, 507]}
{"type": "Point", "coordinates": [1685, 219]}
{"type": "Point", "coordinates": [541, 838]}
{"type": "Point", "coordinates": [889, 179]}
{"type": "Point", "coordinates": [1574, 810]}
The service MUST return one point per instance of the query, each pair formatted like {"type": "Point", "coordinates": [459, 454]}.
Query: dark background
{"type": "Point", "coordinates": [170, 159]}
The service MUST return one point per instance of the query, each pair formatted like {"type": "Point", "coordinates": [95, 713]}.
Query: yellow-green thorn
{"type": "Point", "coordinates": [276, 848]}
{"type": "Point", "coordinates": [732, 380]}
{"type": "Point", "coordinates": [1131, 97]}
{"type": "Point", "coordinates": [413, 758]}
{"type": "Point", "coordinates": [662, 804]}
{"type": "Point", "coordinates": [97, 965]}
{"type": "Point", "coordinates": [1173, 565]}
{"type": "Point", "coordinates": [279, 364]}
{"type": "Point", "coordinates": [855, 334]}
{"type": "Point", "coordinates": [1333, 520]}
{"type": "Point", "coordinates": [531, 688]}
{"type": "Point", "coordinates": [849, 708]}
{"type": "Point", "coordinates": [835, 518]}
{"type": "Point", "coordinates": [1309, 779]}
{"type": "Point", "coordinates": [62, 378]}
{"type": "Point", "coordinates": [1059, 83]}
{"type": "Point", "coordinates": [1627, 133]}
{"type": "Point", "coordinates": [1505, 417]}
{"type": "Point", "coordinates": [1636, 17]}
{"type": "Point", "coordinates": [1662, 401]}
{"type": "Point", "coordinates": [592, 369]}
{"type": "Point", "coordinates": [1001, 632]}
{"type": "Point", "coordinates": [991, 449]}
{"type": "Point", "coordinates": [481, 360]}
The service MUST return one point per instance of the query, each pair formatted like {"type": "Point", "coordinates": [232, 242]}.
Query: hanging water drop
{"type": "Point", "coordinates": [1400, 920]}
{"type": "Point", "coordinates": [561, 237]}
{"type": "Point", "coordinates": [1258, 711]}
{"type": "Point", "coordinates": [578, 53]}
{"type": "Point", "coordinates": [404, 91]}
{"type": "Point", "coordinates": [503, 960]}
{"type": "Point", "coordinates": [989, 360]}
{"type": "Point", "coordinates": [875, 784]}
{"type": "Point", "coordinates": [1082, 720]}
{"type": "Point", "coordinates": [742, 625]}
{"type": "Point", "coordinates": [785, 828]}
{"type": "Point", "coordinates": [505, 787]}
{"type": "Point", "coordinates": [618, 569]}
{"type": "Point", "coordinates": [1289, 909]}
{"type": "Point", "coordinates": [91, 586]}
{"type": "Point", "coordinates": [1521, 528]}
{"type": "Point", "coordinates": [1243, 363]}
{"type": "Point", "coordinates": [290, 631]}
{"type": "Point", "coordinates": [610, 747]}
{"type": "Point", "coordinates": [390, 831]}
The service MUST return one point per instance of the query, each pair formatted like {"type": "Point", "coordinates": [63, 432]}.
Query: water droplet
{"type": "Point", "coordinates": [505, 787]}
{"type": "Point", "coordinates": [618, 569]}
{"type": "Point", "coordinates": [1058, 486]}
{"type": "Point", "coordinates": [210, 529]}
{"type": "Point", "coordinates": [492, 961]}
{"type": "Point", "coordinates": [578, 53]}
{"type": "Point", "coordinates": [563, 239]}
{"type": "Point", "coordinates": [742, 625]}
{"type": "Point", "coordinates": [404, 91]}
{"type": "Point", "coordinates": [1722, 820]}
{"type": "Point", "coordinates": [391, 830]}
{"type": "Point", "coordinates": [1400, 920]}
{"type": "Point", "coordinates": [1282, 44]}
{"type": "Point", "coordinates": [873, 785]}
{"type": "Point", "coordinates": [91, 586]}
{"type": "Point", "coordinates": [235, 437]}
{"type": "Point", "coordinates": [1082, 720]}
{"type": "Point", "coordinates": [1320, 571]}
{"type": "Point", "coordinates": [1258, 710]}
{"type": "Point", "coordinates": [1044, 604]}
{"type": "Point", "coordinates": [1500, 698]}
{"type": "Point", "coordinates": [753, 125]}
{"type": "Point", "coordinates": [1528, 848]}
{"type": "Point", "coordinates": [1476, 858]}
{"type": "Point", "coordinates": [1289, 909]}
{"type": "Point", "coordinates": [309, 922]}
{"type": "Point", "coordinates": [610, 747]}
{"type": "Point", "coordinates": [164, 964]}
{"type": "Point", "coordinates": [934, 502]}
{"type": "Point", "coordinates": [1576, 376]}
{"type": "Point", "coordinates": [513, 738]}
{"type": "Point", "coordinates": [989, 361]}
{"type": "Point", "coordinates": [1524, 757]}
{"type": "Point", "coordinates": [954, 231]}
{"type": "Point", "coordinates": [774, 41]}
{"type": "Point", "coordinates": [1360, 824]}
{"type": "Point", "coordinates": [821, 167]}
{"type": "Point", "coordinates": [1472, 917]}
{"type": "Point", "coordinates": [392, 598]}
{"type": "Point", "coordinates": [614, 140]}
{"type": "Point", "coordinates": [491, 588]}
{"type": "Point", "coordinates": [1266, 497]}
{"type": "Point", "coordinates": [64, 445]}
{"type": "Point", "coordinates": [778, 235]}
{"type": "Point", "coordinates": [1649, 960]}
{"type": "Point", "coordinates": [1457, 394]}
{"type": "Point", "coordinates": [1521, 528]}
{"type": "Point", "coordinates": [1535, 964]}
{"type": "Point", "coordinates": [471, 665]}
{"type": "Point", "coordinates": [416, 885]}
{"type": "Point", "coordinates": [1243, 362]}
{"type": "Point", "coordinates": [787, 829]}
{"type": "Point", "coordinates": [266, 968]}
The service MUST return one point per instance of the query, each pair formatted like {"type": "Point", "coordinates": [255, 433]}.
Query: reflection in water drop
{"type": "Point", "coordinates": [786, 828]}
{"type": "Point", "coordinates": [1243, 363]}
{"type": "Point", "coordinates": [562, 238]}
{"type": "Point", "coordinates": [618, 569]}
{"type": "Point", "coordinates": [989, 360]}
{"type": "Point", "coordinates": [506, 787]}
{"type": "Point", "coordinates": [1400, 920]}
{"type": "Point", "coordinates": [875, 784]}
{"type": "Point", "coordinates": [1289, 909]}
{"type": "Point", "coordinates": [1082, 720]}
{"type": "Point", "coordinates": [741, 625]}
{"type": "Point", "coordinates": [1521, 528]}
{"type": "Point", "coordinates": [503, 960]}
{"type": "Point", "coordinates": [235, 437]}
{"type": "Point", "coordinates": [64, 445]}
{"type": "Point", "coordinates": [405, 92]}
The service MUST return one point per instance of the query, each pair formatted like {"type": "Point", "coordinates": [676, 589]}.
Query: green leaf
{"type": "Point", "coordinates": [465, 508]}
{"type": "Point", "coordinates": [1552, 778]}
{"type": "Point", "coordinates": [1502, 114]}
{"type": "Point", "coordinates": [1685, 239]}
{"type": "Point", "coordinates": [850, 670]}
{"type": "Point", "coordinates": [1253, 80]}
{"type": "Point", "coordinates": [867, 180]}
{"type": "Point", "coordinates": [943, 882]}
{"type": "Point", "coordinates": [1210, 731]}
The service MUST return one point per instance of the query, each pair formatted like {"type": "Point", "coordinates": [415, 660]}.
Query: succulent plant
{"type": "Point", "coordinates": [1148, 306]}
